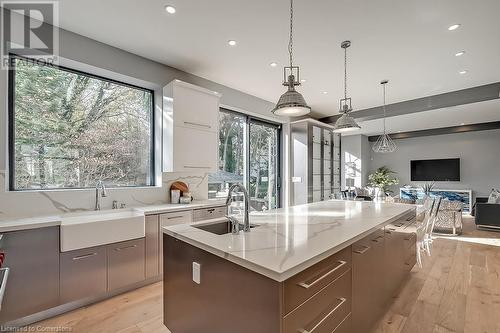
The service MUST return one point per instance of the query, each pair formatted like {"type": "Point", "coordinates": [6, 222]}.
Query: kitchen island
{"type": "Point", "coordinates": [330, 266]}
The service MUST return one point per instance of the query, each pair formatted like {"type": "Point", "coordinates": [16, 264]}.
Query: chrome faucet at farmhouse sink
{"type": "Point", "coordinates": [234, 222]}
{"type": "Point", "coordinates": [99, 186]}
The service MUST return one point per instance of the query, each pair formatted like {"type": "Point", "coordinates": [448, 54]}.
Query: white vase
{"type": "Point", "coordinates": [379, 193]}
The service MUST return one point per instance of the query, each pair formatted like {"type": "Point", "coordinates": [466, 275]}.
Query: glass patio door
{"type": "Point", "coordinates": [263, 166]}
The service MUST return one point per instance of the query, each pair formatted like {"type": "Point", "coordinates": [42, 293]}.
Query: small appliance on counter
{"type": "Point", "coordinates": [175, 196]}
{"type": "Point", "coordinates": [179, 193]}
{"type": "Point", "coordinates": [185, 200]}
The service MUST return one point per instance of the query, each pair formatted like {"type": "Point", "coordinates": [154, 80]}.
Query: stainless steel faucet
{"type": "Point", "coordinates": [246, 221]}
{"type": "Point", "coordinates": [99, 187]}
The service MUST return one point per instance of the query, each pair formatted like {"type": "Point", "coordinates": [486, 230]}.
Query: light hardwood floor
{"type": "Point", "coordinates": [457, 290]}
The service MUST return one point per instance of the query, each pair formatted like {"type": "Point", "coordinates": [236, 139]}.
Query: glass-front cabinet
{"type": "Point", "coordinates": [315, 162]}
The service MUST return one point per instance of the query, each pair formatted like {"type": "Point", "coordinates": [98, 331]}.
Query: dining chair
{"type": "Point", "coordinates": [430, 227]}
{"type": "Point", "coordinates": [423, 227]}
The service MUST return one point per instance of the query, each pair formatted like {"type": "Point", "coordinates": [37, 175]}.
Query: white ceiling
{"type": "Point", "coordinates": [467, 114]}
{"type": "Point", "coordinates": [405, 41]}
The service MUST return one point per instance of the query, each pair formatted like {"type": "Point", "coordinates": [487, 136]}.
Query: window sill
{"type": "Point", "coordinates": [88, 189]}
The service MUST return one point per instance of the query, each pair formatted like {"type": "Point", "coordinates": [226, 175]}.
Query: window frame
{"type": "Point", "coordinates": [256, 120]}
{"type": "Point", "coordinates": [11, 94]}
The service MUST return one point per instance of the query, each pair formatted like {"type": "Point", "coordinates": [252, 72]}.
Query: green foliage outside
{"type": "Point", "coordinates": [262, 154]}
{"type": "Point", "coordinates": [72, 130]}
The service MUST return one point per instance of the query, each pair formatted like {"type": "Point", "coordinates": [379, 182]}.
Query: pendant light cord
{"type": "Point", "coordinates": [290, 43]}
{"type": "Point", "coordinates": [345, 73]}
{"type": "Point", "coordinates": [384, 105]}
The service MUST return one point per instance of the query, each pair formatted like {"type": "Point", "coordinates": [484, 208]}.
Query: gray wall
{"type": "Point", "coordinates": [479, 153]}
{"type": "Point", "coordinates": [99, 58]}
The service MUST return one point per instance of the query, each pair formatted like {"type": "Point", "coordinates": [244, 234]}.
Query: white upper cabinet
{"type": "Point", "coordinates": [195, 107]}
{"type": "Point", "coordinates": [190, 128]}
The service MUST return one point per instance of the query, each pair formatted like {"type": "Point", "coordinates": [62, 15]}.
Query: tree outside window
{"type": "Point", "coordinates": [72, 129]}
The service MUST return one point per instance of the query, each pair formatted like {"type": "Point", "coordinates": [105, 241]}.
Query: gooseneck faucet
{"type": "Point", "coordinates": [246, 221]}
{"type": "Point", "coordinates": [99, 186]}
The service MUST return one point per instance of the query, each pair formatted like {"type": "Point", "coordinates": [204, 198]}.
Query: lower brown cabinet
{"type": "Point", "coordinates": [91, 272]}
{"type": "Point", "coordinates": [368, 281]}
{"type": "Point", "coordinates": [83, 273]}
{"type": "Point", "coordinates": [380, 263]}
{"type": "Point", "coordinates": [305, 284]}
{"type": "Point", "coordinates": [343, 293]}
{"type": "Point", "coordinates": [33, 259]}
{"type": "Point", "coordinates": [152, 245]}
{"type": "Point", "coordinates": [125, 263]}
{"type": "Point", "coordinates": [323, 312]}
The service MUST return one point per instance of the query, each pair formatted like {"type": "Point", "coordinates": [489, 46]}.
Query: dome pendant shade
{"type": "Point", "coordinates": [384, 144]}
{"type": "Point", "coordinates": [345, 123]}
{"type": "Point", "coordinates": [291, 103]}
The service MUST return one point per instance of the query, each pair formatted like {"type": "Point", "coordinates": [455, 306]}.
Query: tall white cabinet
{"type": "Point", "coordinates": [190, 128]}
{"type": "Point", "coordinates": [314, 162]}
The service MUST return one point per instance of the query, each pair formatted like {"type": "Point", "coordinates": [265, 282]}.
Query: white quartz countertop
{"type": "Point", "coordinates": [55, 220]}
{"type": "Point", "coordinates": [165, 208]}
{"type": "Point", "coordinates": [288, 240]}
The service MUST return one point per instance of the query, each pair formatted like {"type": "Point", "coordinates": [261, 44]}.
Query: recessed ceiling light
{"type": "Point", "coordinates": [458, 54]}
{"type": "Point", "coordinates": [454, 27]}
{"type": "Point", "coordinates": [325, 92]}
{"type": "Point", "coordinates": [463, 72]}
{"type": "Point", "coordinates": [273, 64]}
{"type": "Point", "coordinates": [231, 42]}
{"type": "Point", "coordinates": [303, 80]}
{"type": "Point", "coordinates": [170, 9]}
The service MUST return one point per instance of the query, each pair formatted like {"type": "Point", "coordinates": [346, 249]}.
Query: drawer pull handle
{"type": "Point", "coordinates": [196, 167]}
{"type": "Point", "coordinates": [377, 238]}
{"type": "Point", "coordinates": [85, 256]}
{"type": "Point", "coordinates": [365, 248]}
{"type": "Point", "coordinates": [197, 124]}
{"type": "Point", "coordinates": [125, 247]}
{"type": "Point", "coordinates": [309, 285]}
{"type": "Point", "coordinates": [312, 330]}
{"type": "Point", "coordinates": [175, 217]}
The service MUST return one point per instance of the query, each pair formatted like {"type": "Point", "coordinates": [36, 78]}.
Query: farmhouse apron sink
{"type": "Point", "coordinates": [82, 230]}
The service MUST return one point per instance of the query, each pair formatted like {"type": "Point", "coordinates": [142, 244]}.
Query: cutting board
{"type": "Point", "coordinates": [181, 186]}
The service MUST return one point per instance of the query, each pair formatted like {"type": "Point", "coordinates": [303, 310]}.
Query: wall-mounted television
{"type": "Point", "coordinates": [435, 170]}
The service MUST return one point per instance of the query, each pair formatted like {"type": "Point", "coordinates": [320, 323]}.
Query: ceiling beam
{"type": "Point", "coordinates": [443, 130]}
{"type": "Point", "coordinates": [454, 98]}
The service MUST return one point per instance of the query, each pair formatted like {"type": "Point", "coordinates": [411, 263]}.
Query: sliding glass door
{"type": "Point", "coordinates": [249, 151]}
{"type": "Point", "coordinates": [264, 165]}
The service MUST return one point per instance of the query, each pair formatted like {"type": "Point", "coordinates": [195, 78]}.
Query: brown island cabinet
{"type": "Point", "coordinates": [346, 292]}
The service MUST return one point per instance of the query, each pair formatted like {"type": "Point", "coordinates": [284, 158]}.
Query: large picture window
{"type": "Point", "coordinates": [69, 129]}
{"type": "Point", "coordinates": [248, 154]}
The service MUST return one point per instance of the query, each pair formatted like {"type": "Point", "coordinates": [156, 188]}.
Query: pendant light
{"type": "Point", "coordinates": [384, 142]}
{"type": "Point", "coordinates": [345, 123]}
{"type": "Point", "coordinates": [291, 103]}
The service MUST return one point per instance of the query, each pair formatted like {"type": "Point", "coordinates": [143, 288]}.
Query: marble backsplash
{"type": "Point", "coordinates": [37, 203]}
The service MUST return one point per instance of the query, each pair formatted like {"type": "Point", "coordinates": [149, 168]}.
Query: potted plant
{"type": "Point", "coordinates": [381, 179]}
{"type": "Point", "coordinates": [427, 188]}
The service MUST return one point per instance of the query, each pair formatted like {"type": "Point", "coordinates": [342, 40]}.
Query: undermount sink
{"type": "Point", "coordinates": [82, 230]}
{"type": "Point", "coordinates": [221, 227]}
